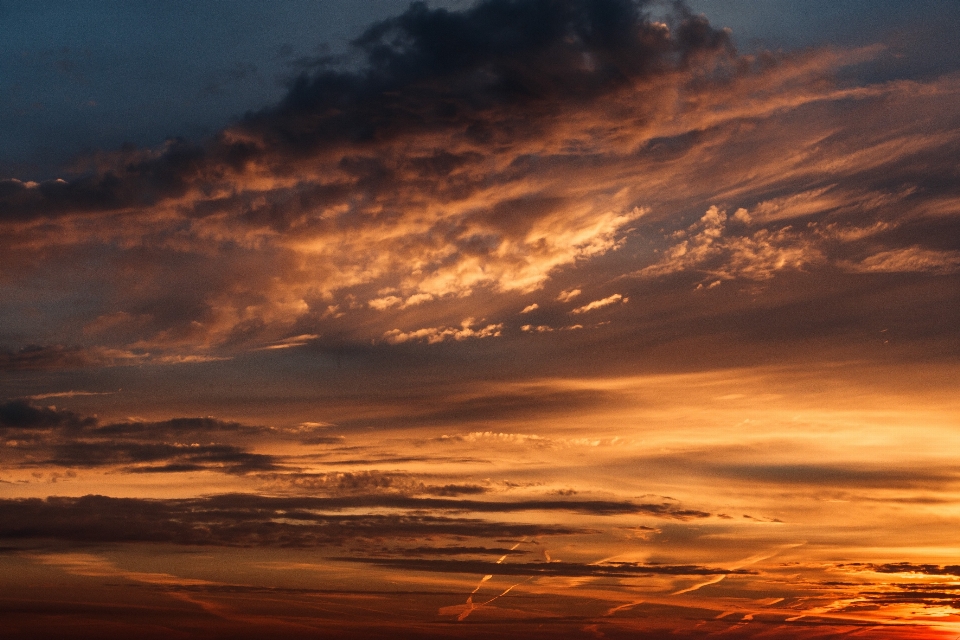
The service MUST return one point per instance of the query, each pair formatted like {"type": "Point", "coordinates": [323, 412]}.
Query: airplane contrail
{"type": "Point", "coordinates": [739, 565]}
{"type": "Point", "coordinates": [470, 603]}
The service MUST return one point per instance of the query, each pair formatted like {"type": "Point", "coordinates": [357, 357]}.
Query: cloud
{"type": "Point", "coordinates": [706, 247]}
{"type": "Point", "coordinates": [48, 437]}
{"type": "Point", "coordinates": [367, 482]}
{"type": "Point", "coordinates": [667, 510]}
{"type": "Point", "coordinates": [836, 475]}
{"type": "Point", "coordinates": [923, 589]}
{"type": "Point", "coordinates": [531, 440]}
{"type": "Point", "coordinates": [67, 394]}
{"type": "Point", "coordinates": [641, 532]}
{"type": "Point", "coordinates": [238, 520]}
{"type": "Point", "coordinates": [434, 165]}
{"type": "Point", "coordinates": [176, 457]}
{"type": "Point", "coordinates": [83, 564]}
{"type": "Point", "coordinates": [46, 358]}
{"type": "Point", "coordinates": [548, 569]}
{"type": "Point", "coordinates": [384, 303]}
{"type": "Point", "coordinates": [540, 328]}
{"type": "Point", "coordinates": [913, 259]}
{"type": "Point", "coordinates": [909, 568]}
{"type": "Point", "coordinates": [433, 335]}
{"type": "Point", "coordinates": [486, 405]}
{"type": "Point", "coordinates": [598, 304]}
{"type": "Point", "coordinates": [60, 358]}
{"type": "Point", "coordinates": [716, 249]}
{"type": "Point", "coordinates": [253, 520]}
{"type": "Point", "coordinates": [288, 343]}
{"type": "Point", "coordinates": [525, 151]}
{"type": "Point", "coordinates": [24, 415]}
{"type": "Point", "coordinates": [460, 551]}
{"type": "Point", "coordinates": [312, 216]}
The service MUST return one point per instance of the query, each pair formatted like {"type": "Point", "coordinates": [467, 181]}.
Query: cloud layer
{"type": "Point", "coordinates": [467, 161]}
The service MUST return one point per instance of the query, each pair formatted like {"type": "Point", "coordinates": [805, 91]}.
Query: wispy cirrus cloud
{"type": "Point", "coordinates": [910, 260]}
{"type": "Point", "coordinates": [45, 358]}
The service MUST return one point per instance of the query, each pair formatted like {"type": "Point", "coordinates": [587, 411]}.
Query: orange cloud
{"type": "Point", "coordinates": [598, 304]}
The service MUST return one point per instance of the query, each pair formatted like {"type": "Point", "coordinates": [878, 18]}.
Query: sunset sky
{"type": "Point", "coordinates": [497, 319]}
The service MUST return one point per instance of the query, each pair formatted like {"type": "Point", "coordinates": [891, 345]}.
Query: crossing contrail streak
{"type": "Point", "coordinates": [470, 603]}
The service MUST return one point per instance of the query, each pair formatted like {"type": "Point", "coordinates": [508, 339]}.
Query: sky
{"type": "Point", "coordinates": [539, 318]}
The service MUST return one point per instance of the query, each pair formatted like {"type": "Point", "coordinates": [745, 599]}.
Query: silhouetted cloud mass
{"type": "Point", "coordinates": [476, 71]}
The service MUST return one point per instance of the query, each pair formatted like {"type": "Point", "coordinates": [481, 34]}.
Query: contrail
{"type": "Point", "coordinates": [739, 565]}
{"type": "Point", "coordinates": [700, 585]}
{"type": "Point", "coordinates": [622, 607]}
{"type": "Point", "coordinates": [472, 606]}
{"type": "Point", "coordinates": [506, 591]}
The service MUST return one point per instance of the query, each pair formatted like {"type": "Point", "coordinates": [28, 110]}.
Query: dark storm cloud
{"type": "Point", "coordinates": [564, 569]}
{"type": "Point", "coordinates": [483, 152]}
{"type": "Point", "coordinates": [425, 69]}
{"type": "Point", "coordinates": [454, 68]}
{"type": "Point", "coordinates": [443, 144]}
{"type": "Point", "coordinates": [235, 520]}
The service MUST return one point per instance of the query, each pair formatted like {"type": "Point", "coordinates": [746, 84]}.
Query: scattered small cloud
{"type": "Point", "coordinates": [540, 328]}
{"type": "Point", "coordinates": [433, 335]}
{"type": "Point", "coordinates": [599, 304]}
{"type": "Point", "coordinates": [707, 247]}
